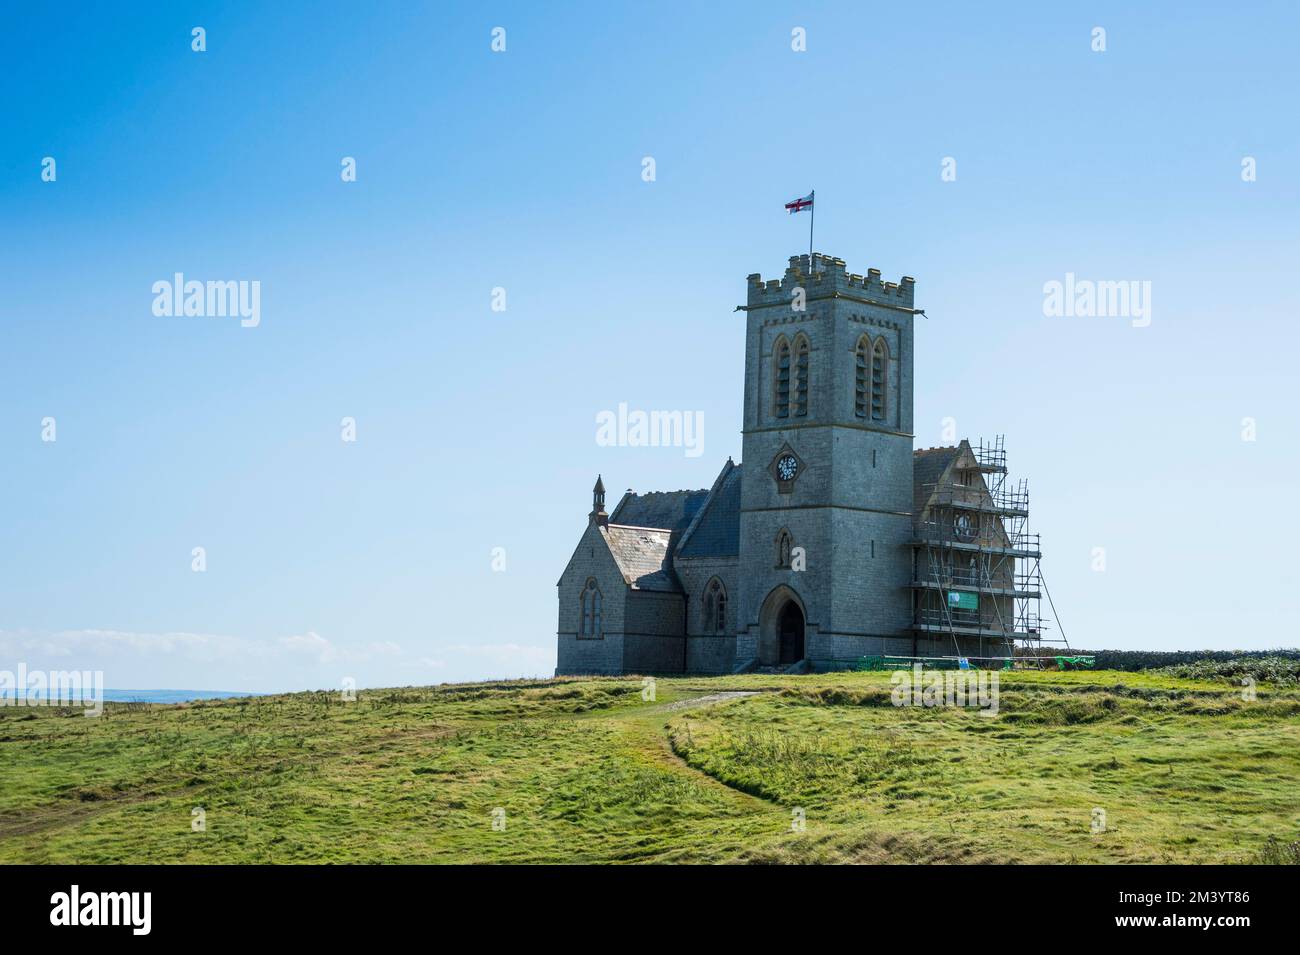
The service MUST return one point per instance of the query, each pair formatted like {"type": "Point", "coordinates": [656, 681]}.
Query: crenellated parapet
{"type": "Point", "coordinates": [829, 277]}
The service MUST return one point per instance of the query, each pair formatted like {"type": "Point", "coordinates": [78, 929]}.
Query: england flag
{"type": "Point", "coordinates": [799, 205]}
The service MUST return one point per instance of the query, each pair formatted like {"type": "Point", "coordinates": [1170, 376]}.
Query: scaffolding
{"type": "Point", "coordinates": [977, 576]}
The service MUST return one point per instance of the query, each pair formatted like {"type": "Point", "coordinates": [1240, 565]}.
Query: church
{"type": "Point", "coordinates": [833, 540]}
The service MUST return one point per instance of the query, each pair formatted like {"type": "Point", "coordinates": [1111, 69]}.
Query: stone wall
{"type": "Point", "coordinates": [652, 640]}
{"type": "Point", "coordinates": [575, 653]}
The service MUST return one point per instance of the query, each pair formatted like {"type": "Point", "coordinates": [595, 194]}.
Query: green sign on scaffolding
{"type": "Point", "coordinates": [963, 600]}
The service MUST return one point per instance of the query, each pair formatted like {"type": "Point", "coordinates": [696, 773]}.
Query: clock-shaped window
{"type": "Point", "coordinates": [964, 527]}
{"type": "Point", "coordinates": [785, 468]}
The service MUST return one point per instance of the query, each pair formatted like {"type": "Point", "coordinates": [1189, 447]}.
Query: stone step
{"type": "Point", "coordinates": [773, 668]}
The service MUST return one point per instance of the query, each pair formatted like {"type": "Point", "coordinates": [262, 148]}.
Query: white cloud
{"type": "Point", "coordinates": [311, 644]}
{"type": "Point", "coordinates": [196, 646]}
{"type": "Point", "coordinates": [201, 648]}
{"type": "Point", "coordinates": [294, 661]}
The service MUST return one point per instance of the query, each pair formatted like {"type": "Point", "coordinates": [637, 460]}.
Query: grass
{"type": "Point", "coordinates": [587, 771]}
{"type": "Point", "coordinates": [1281, 671]}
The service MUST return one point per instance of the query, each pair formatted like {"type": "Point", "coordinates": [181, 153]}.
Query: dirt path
{"type": "Point", "coordinates": [648, 728]}
{"type": "Point", "coordinates": [707, 700]}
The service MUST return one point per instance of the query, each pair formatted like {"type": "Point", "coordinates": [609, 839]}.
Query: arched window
{"type": "Point", "coordinates": [879, 374]}
{"type": "Point", "coordinates": [715, 607]}
{"type": "Point", "coordinates": [591, 624]}
{"type": "Point", "coordinates": [800, 376]}
{"type": "Point", "coordinates": [974, 571]}
{"type": "Point", "coordinates": [784, 544]}
{"type": "Point", "coordinates": [781, 377]}
{"type": "Point", "coordinates": [862, 376]}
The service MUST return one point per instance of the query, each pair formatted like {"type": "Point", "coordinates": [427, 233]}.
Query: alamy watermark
{"type": "Point", "coordinates": [53, 688]}
{"type": "Point", "coordinates": [652, 429]}
{"type": "Point", "coordinates": [968, 688]}
{"type": "Point", "coordinates": [75, 907]}
{"type": "Point", "coordinates": [192, 298]}
{"type": "Point", "coordinates": [1085, 298]}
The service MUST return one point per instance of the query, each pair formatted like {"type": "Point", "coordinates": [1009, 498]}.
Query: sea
{"type": "Point", "coordinates": [154, 696]}
{"type": "Point", "coordinates": [169, 696]}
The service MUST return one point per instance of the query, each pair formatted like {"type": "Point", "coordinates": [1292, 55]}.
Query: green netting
{"type": "Point", "coordinates": [906, 663]}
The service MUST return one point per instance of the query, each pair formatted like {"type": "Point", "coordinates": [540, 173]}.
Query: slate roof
{"type": "Point", "coordinates": [670, 510]}
{"type": "Point", "coordinates": [715, 532]}
{"type": "Point", "coordinates": [645, 528]}
{"type": "Point", "coordinates": [642, 556]}
{"type": "Point", "coordinates": [928, 465]}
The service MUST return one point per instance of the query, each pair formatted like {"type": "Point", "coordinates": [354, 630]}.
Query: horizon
{"type": "Point", "coordinates": [426, 549]}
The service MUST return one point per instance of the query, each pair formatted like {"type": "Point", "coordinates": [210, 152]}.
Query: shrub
{"type": "Point", "coordinates": [1276, 852]}
{"type": "Point", "coordinates": [1134, 660]}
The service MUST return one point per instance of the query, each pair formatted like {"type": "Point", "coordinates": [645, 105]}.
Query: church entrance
{"type": "Point", "coordinates": [790, 634]}
{"type": "Point", "coordinates": [782, 622]}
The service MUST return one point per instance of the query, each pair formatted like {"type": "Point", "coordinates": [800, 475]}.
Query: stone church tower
{"type": "Point", "coordinates": [834, 540]}
{"type": "Point", "coordinates": [826, 510]}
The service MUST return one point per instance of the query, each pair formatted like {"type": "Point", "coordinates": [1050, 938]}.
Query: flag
{"type": "Point", "coordinates": [798, 205]}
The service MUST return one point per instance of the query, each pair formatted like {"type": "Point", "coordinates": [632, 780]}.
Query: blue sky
{"type": "Point", "coordinates": [522, 170]}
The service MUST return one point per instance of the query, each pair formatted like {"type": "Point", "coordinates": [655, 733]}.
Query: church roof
{"type": "Point", "coordinates": [715, 531]}
{"type": "Point", "coordinates": [670, 510]}
{"type": "Point", "coordinates": [928, 465]}
{"type": "Point", "coordinates": [644, 530]}
{"type": "Point", "coordinates": [642, 556]}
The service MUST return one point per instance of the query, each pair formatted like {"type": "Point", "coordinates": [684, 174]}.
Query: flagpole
{"type": "Point", "coordinates": [811, 219]}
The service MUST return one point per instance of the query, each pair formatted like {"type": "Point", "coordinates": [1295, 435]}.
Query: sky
{"type": "Point", "coordinates": [426, 550]}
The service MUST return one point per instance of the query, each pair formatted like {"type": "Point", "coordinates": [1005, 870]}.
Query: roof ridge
{"type": "Point", "coordinates": [666, 510]}
{"type": "Point", "coordinates": [708, 502]}
{"type": "Point", "coordinates": [680, 490]}
{"type": "Point", "coordinates": [619, 506]}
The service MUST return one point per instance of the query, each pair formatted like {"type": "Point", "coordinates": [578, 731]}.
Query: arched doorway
{"type": "Point", "coordinates": [790, 634]}
{"type": "Point", "coordinates": [781, 624]}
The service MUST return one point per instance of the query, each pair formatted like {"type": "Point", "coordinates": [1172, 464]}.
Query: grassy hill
{"type": "Point", "coordinates": [588, 771]}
